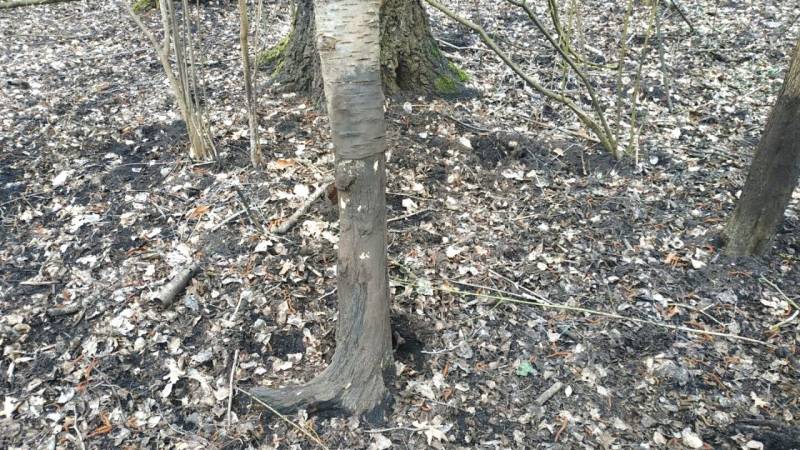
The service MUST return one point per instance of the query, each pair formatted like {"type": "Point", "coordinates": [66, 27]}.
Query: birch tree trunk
{"type": "Point", "coordinates": [773, 173]}
{"type": "Point", "coordinates": [356, 380]}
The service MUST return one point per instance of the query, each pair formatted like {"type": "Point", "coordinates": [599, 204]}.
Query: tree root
{"type": "Point", "coordinates": [331, 397]}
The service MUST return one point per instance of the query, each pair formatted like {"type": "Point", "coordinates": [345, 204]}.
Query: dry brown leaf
{"type": "Point", "coordinates": [284, 163]}
{"type": "Point", "coordinates": [198, 212]}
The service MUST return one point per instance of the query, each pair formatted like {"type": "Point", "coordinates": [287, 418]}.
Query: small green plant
{"type": "Point", "coordinates": [525, 368]}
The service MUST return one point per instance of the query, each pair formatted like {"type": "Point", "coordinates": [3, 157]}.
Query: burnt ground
{"type": "Point", "coordinates": [495, 202]}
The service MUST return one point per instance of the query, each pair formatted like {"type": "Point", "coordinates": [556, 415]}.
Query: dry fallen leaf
{"type": "Point", "coordinates": [198, 212]}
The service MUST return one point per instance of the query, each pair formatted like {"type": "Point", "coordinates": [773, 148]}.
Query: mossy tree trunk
{"type": "Point", "coordinates": [410, 57]}
{"type": "Point", "coordinates": [773, 173]}
{"type": "Point", "coordinates": [357, 379]}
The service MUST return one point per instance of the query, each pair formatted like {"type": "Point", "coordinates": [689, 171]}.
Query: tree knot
{"type": "Point", "coordinates": [325, 43]}
{"type": "Point", "coordinates": [346, 173]}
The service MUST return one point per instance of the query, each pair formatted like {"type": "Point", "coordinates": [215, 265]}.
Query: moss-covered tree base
{"type": "Point", "coordinates": [410, 58]}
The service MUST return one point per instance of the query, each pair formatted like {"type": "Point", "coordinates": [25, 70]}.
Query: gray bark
{"type": "Point", "coordinates": [362, 367]}
{"type": "Point", "coordinates": [773, 173]}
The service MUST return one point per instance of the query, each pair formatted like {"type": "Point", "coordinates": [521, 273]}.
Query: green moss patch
{"type": "Point", "coordinates": [445, 85]}
{"type": "Point", "coordinates": [460, 73]}
{"type": "Point", "coordinates": [140, 6]}
{"type": "Point", "coordinates": [273, 55]}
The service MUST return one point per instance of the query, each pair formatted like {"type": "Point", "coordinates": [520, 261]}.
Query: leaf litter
{"type": "Point", "coordinates": [99, 208]}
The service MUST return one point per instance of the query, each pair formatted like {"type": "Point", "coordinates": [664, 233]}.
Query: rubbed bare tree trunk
{"type": "Point", "coordinates": [362, 367]}
{"type": "Point", "coordinates": [410, 57]}
{"type": "Point", "coordinates": [773, 173]}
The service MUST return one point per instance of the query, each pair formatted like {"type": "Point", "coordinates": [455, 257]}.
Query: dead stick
{"type": "Point", "coordinates": [306, 432]}
{"type": "Point", "coordinates": [20, 3]}
{"type": "Point", "coordinates": [292, 220]}
{"type": "Point", "coordinates": [409, 215]}
{"type": "Point", "coordinates": [247, 209]}
{"type": "Point", "coordinates": [64, 311]}
{"type": "Point", "coordinates": [683, 16]}
{"type": "Point", "coordinates": [230, 385]}
{"type": "Point", "coordinates": [169, 292]}
{"type": "Point", "coordinates": [549, 393]}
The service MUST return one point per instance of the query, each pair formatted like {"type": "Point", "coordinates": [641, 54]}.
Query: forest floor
{"type": "Point", "coordinates": [504, 220]}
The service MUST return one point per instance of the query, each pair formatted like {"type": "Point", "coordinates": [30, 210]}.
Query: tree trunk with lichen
{"type": "Point", "coordinates": [357, 379]}
{"type": "Point", "coordinates": [410, 57]}
{"type": "Point", "coordinates": [773, 173]}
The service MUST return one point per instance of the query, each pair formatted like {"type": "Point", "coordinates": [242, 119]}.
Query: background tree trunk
{"type": "Point", "coordinates": [410, 57]}
{"type": "Point", "coordinates": [773, 173]}
{"type": "Point", "coordinates": [362, 365]}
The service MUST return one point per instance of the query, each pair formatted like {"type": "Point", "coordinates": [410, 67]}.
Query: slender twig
{"type": "Point", "coordinates": [299, 428]}
{"type": "Point", "coordinates": [256, 159]}
{"type": "Point", "coordinates": [775, 286]}
{"type": "Point", "coordinates": [385, 430]}
{"type": "Point", "coordinates": [230, 386]}
{"type": "Point", "coordinates": [447, 44]}
{"type": "Point", "coordinates": [22, 198]}
{"type": "Point", "coordinates": [409, 215]}
{"type": "Point", "coordinates": [666, 78]}
{"type": "Point", "coordinates": [697, 310]}
{"type": "Point", "coordinates": [607, 141]}
{"type": "Point", "coordinates": [543, 303]}
{"type": "Point", "coordinates": [466, 125]}
{"type": "Point", "coordinates": [598, 108]}
{"type": "Point", "coordinates": [786, 321]}
{"type": "Point", "coordinates": [564, 37]}
{"type": "Point", "coordinates": [20, 3]}
{"type": "Point", "coordinates": [528, 296]}
{"type": "Point", "coordinates": [183, 79]}
{"type": "Point", "coordinates": [247, 209]}
{"type": "Point", "coordinates": [683, 16]}
{"type": "Point", "coordinates": [81, 444]}
{"type": "Point", "coordinates": [788, 300]}
{"type": "Point", "coordinates": [292, 220]}
{"type": "Point", "coordinates": [637, 87]}
{"type": "Point", "coordinates": [623, 53]}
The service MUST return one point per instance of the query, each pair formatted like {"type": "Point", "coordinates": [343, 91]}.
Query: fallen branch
{"type": "Point", "coordinates": [536, 300]}
{"type": "Point", "coordinates": [64, 310]}
{"type": "Point", "coordinates": [21, 3]}
{"type": "Point", "coordinates": [169, 292]}
{"type": "Point", "coordinates": [549, 393]}
{"type": "Point", "coordinates": [292, 220]}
